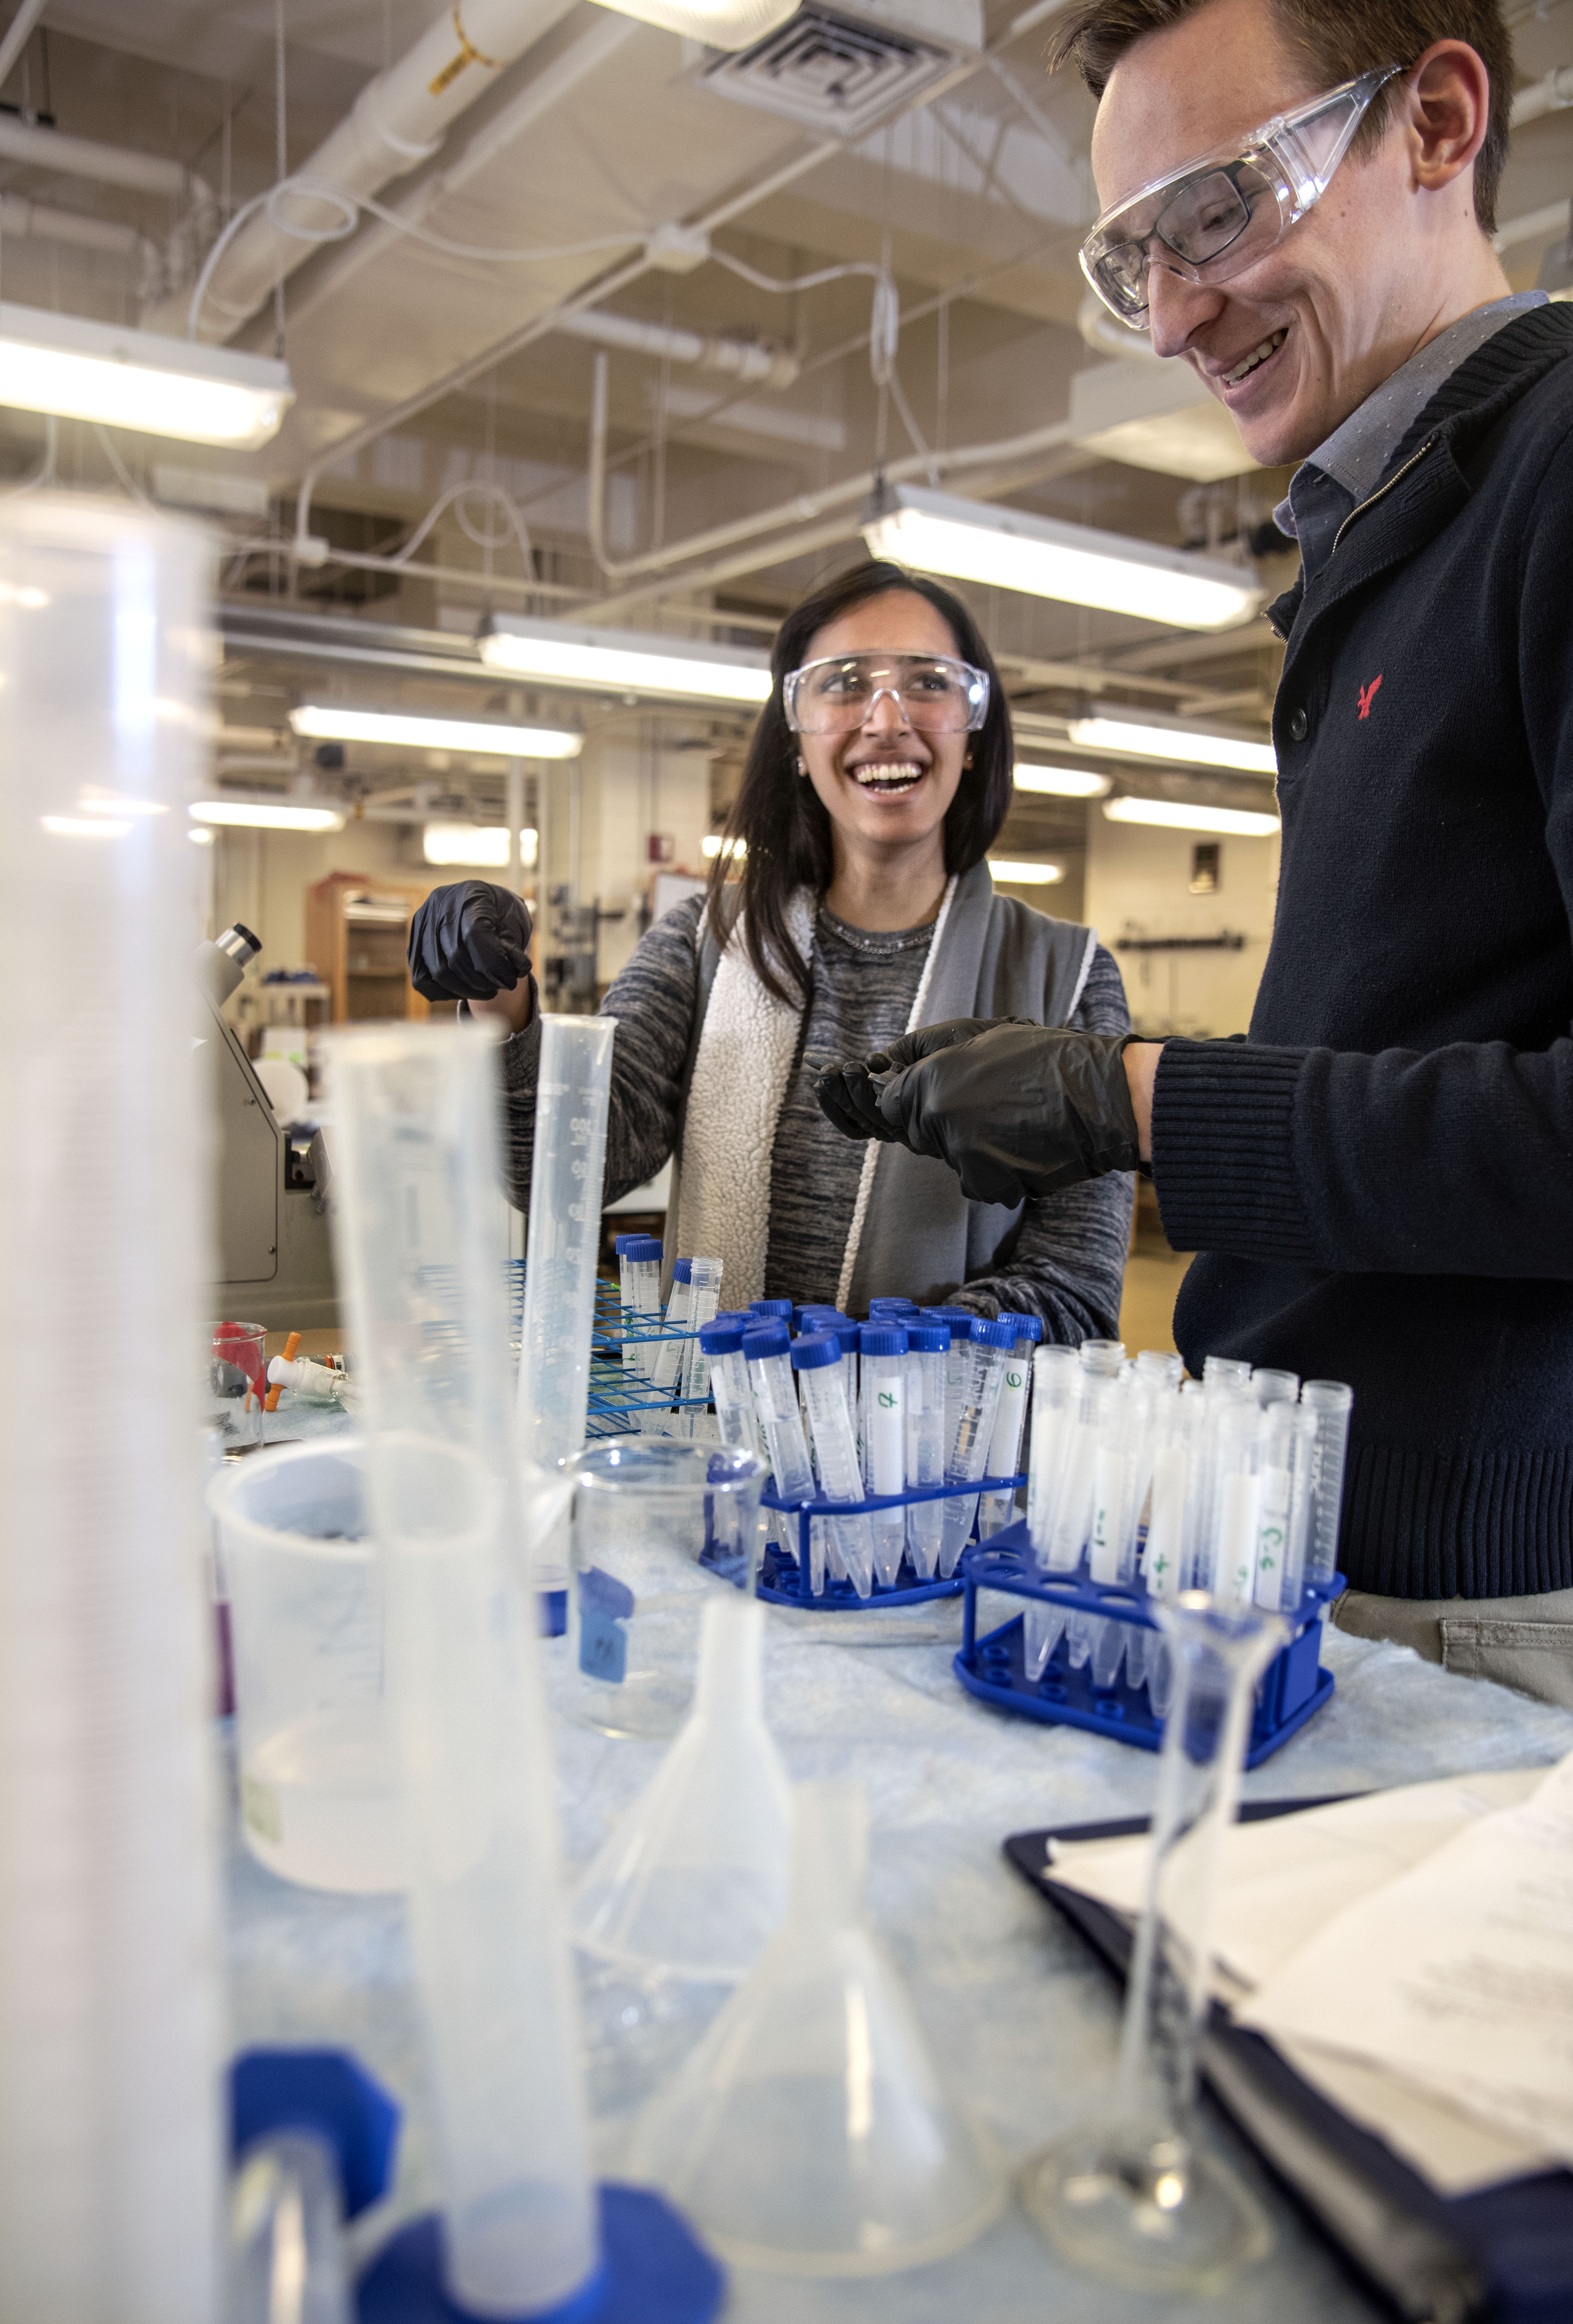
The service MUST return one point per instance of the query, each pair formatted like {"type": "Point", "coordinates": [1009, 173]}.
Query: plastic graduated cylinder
{"type": "Point", "coordinates": [883, 1360]}
{"type": "Point", "coordinates": [817, 1360]}
{"type": "Point", "coordinates": [986, 1351]}
{"type": "Point", "coordinates": [1005, 1452]}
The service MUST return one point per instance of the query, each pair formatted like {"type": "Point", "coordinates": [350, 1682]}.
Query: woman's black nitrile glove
{"type": "Point", "coordinates": [1017, 1110]}
{"type": "Point", "coordinates": [469, 942]}
{"type": "Point", "coordinates": [846, 1087]}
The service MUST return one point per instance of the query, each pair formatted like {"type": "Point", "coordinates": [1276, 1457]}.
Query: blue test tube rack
{"type": "Point", "coordinates": [786, 1584]}
{"type": "Point", "coordinates": [1292, 1689]}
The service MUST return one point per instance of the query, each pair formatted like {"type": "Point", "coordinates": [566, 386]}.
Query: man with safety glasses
{"type": "Point", "coordinates": [1299, 197]}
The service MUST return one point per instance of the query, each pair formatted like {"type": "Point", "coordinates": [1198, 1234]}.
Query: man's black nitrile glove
{"type": "Point", "coordinates": [1018, 1111]}
{"type": "Point", "coordinates": [469, 942]}
{"type": "Point", "coordinates": [845, 1088]}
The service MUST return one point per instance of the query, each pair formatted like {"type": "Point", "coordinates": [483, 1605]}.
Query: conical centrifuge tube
{"type": "Point", "coordinates": [883, 1353]}
{"type": "Point", "coordinates": [1005, 1452]}
{"type": "Point", "coordinates": [692, 1882]}
{"type": "Point", "coordinates": [989, 1350]}
{"type": "Point", "coordinates": [808, 2133]}
{"type": "Point", "coordinates": [927, 1352]}
{"type": "Point", "coordinates": [817, 1360]}
{"type": "Point", "coordinates": [1133, 2198]}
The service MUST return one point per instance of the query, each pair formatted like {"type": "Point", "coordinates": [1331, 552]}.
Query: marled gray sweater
{"type": "Point", "coordinates": [1068, 1258]}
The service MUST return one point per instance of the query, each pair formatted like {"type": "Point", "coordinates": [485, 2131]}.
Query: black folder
{"type": "Point", "coordinates": [1503, 2256]}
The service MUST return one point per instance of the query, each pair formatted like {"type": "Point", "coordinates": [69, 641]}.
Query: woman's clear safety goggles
{"type": "Point", "coordinates": [933, 692]}
{"type": "Point", "coordinates": [1214, 216]}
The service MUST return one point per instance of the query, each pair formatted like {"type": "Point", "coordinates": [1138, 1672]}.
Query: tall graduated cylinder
{"type": "Point", "coordinates": [109, 2132]}
{"type": "Point", "coordinates": [416, 1109]}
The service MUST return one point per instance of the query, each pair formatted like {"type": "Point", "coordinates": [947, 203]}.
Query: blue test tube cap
{"type": "Point", "coordinates": [642, 1250]}
{"type": "Point", "coordinates": [721, 1338]}
{"type": "Point", "coordinates": [782, 1307]}
{"type": "Point", "coordinates": [682, 1270]}
{"type": "Point", "coordinates": [926, 1338]}
{"type": "Point", "coordinates": [1001, 1333]}
{"type": "Point", "coordinates": [883, 1339]}
{"type": "Point", "coordinates": [623, 1244]}
{"type": "Point", "coordinates": [891, 1307]}
{"type": "Point", "coordinates": [768, 1337]}
{"type": "Point", "coordinates": [1026, 1327]}
{"type": "Point", "coordinates": [733, 1316]}
{"type": "Point", "coordinates": [814, 1350]}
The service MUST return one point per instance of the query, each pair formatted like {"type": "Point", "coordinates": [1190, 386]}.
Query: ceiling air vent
{"type": "Point", "coordinates": [833, 74]}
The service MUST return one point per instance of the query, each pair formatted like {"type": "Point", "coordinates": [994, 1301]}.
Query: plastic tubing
{"type": "Point", "coordinates": [989, 1352]}
{"type": "Point", "coordinates": [1330, 1400]}
{"type": "Point", "coordinates": [817, 1360]}
{"type": "Point", "coordinates": [885, 1393]}
{"type": "Point", "coordinates": [416, 1109]}
{"type": "Point", "coordinates": [110, 2009]}
{"type": "Point", "coordinates": [1005, 1452]}
{"type": "Point", "coordinates": [928, 1347]}
{"type": "Point", "coordinates": [572, 1095]}
{"type": "Point", "coordinates": [704, 1298]}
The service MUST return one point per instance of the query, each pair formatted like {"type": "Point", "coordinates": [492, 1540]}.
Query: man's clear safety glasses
{"type": "Point", "coordinates": [1217, 215]}
{"type": "Point", "coordinates": [935, 693]}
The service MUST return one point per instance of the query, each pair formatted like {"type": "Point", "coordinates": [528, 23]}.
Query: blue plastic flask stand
{"type": "Point", "coordinates": [652, 2271]}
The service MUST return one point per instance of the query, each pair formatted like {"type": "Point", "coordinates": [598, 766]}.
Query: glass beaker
{"type": "Point", "coordinates": [1133, 2198]}
{"type": "Point", "coordinates": [318, 1800]}
{"type": "Point", "coordinates": [236, 1385]}
{"type": "Point", "coordinates": [658, 1525]}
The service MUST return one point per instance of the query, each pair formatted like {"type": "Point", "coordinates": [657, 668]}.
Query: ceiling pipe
{"type": "Point", "coordinates": [41, 223]}
{"type": "Point", "coordinates": [742, 359]}
{"type": "Point", "coordinates": [36, 148]}
{"type": "Point", "coordinates": [18, 33]}
{"type": "Point", "coordinates": [1552, 95]}
{"type": "Point", "coordinates": [398, 121]}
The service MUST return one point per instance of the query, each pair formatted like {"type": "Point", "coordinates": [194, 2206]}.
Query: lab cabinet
{"type": "Point", "coordinates": [356, 933]}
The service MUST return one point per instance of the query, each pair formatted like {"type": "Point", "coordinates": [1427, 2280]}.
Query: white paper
{"type": "Point", "coordinates": [1458, 1973]}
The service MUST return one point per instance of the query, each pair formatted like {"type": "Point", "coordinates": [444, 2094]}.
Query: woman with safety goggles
{"type": "Point", "coordinates": [850, 903]}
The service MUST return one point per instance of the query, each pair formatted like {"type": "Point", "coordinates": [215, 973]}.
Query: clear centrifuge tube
{"type": "Point", "coordinates": [1286, 1456]}
{"type": "Point", "coordinates": [704, 1298]}
{"type": "Point", "coordinates": [420, 1153]}
{"type": "Point", "coordinates": [1065, 1523]}
{"type": "Point", "coordinates": [989, 1348]}
{"type": "Point", "coordinates": [734, 1401]}
{"type": "Point", "coordinates": [1221, 1372]}
{"type": "Point", "coordinates": [1175, 1454]}
{"type": "Point", "coordinates": [1133, 2198]}
{"type": "Point", "coordinates": [1270, 1388]}
{"type": "Point", "coordinates": [883, 1360]}
{"type": "Point", "coordinates": [1057, 1377]}
{"type": "Point", "coordinates": [775, 1403]}
{"type": "Point", "coordinates": [817, 1360]}
{"type": "Point", "coordinates": [1111, 1542]}
{"type": "Point", "coordinates": [1005, 1452]}
{"type": "Point", "coordinates": [666, 1353]}
{"type": "Point", "coordinates": [927, 1349]}
{"type": "Point", "coordinates": [640, 1311]}
{"type": "Point", "coordinates": [1330, 1400]}
{"type": "Point", "coordinates": [571, 1099]}
{"type": "Point", "coordinates": [959, 1322]}
{"type": "Point", "coordinates": [1237, 1500]}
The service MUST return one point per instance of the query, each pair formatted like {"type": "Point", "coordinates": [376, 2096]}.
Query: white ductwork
{"type": "Point", "coordinates": [398, 121]}
{"type": "Point", "coordinates": [43, 224]}
{"type": "Point", "coordinates": [742, 359]}
{"type": "Point", "coordinates": [1552, 95]}
{"type": "Point", "coordinates": [106, 165]}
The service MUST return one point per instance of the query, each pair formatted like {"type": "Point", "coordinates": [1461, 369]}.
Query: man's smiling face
{"type": "Point", "coordinates": [1296, 342]}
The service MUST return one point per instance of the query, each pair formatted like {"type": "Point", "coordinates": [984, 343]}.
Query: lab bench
{"type": "Point", "coordinates": [1022, 2018]}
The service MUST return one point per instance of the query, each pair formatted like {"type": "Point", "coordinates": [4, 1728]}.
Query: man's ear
{"type": "Point", "coordinates": [1449, 103]}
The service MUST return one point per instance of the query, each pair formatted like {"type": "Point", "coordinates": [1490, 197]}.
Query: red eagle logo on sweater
{"type": "Point", "coordinates": [1367, 696]}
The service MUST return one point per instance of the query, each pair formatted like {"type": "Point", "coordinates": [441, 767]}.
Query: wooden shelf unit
{"type": "Point", "coordinates": [357, 930]}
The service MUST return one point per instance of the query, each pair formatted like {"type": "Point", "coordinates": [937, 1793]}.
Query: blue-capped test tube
{"type": "Point", "coordinates": [1005, 1452]}
{"type": "Point", "coordinates": [1058, 1381]}
{"type": "Point", "coordinates": [927, 1351]}
{"type": "Point", "coordinates": [766, 1350]}
{"type": "Point", "coordinates": [639, 1264]}
{"type": "Point", "coordinates": [958, 1321]}
{"type": "Point", "coordinates": [817, 1360]}
{"type": "Point", "coordinates": [987, 1351]}
{"type": "Point", "coordinates": [882, 1355]}
{"type": "Point", "coordinates": [694, 1389]}
{"type": "Point", "coordinates": [666, 1354]}
{"type": "Point", "coordinates": [722, 1342]}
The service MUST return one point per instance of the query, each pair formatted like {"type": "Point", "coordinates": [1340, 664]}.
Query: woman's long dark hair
{"type": "Point", "coordinates": [782, 817]}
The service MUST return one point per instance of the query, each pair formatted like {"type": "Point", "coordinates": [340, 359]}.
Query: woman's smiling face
{"type": "Point", "coordinates": [884, 782]}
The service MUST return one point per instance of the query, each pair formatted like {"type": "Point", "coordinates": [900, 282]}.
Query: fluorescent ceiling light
{"type": "Point", "coordinates": [1020, 873]}
{"type": "Point", "coordinates": [719, 24]}
{"type": "Point", "coordinates": [974, 540]}
{"type": "Point", "coordinates": [71, 827]}
{"type": "Point", "coordinates": [624, 661]}
{"type": "Point", "coordinates": [713, 845]}
{"type": "Point", "coordinates": [1181, 745]}
{"type": "Point", "coordinates": [199, 835]}
{"type": "Point", "coordinates": [326, 722]}
{"type": "Point", "coordinates": [267, 815]}
{"type": "Point", "coordinates": [1177, 815]}
{"type": "Point", "coordinates": [477, 843]}
{"type": "Point", "coordinates": [124, 378]}
{"type": "Point", "coordinates": [1063, 782]}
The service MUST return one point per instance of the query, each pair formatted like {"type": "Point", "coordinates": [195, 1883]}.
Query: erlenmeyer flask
{"type": "Point", "coordinates": [1132, 2198]}
{"type": "Point", "coordinates": [692, 1882]}
{"type": "Point", "coordinates": [808, 2132]}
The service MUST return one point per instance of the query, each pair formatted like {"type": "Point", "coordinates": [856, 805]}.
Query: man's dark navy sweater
{"type": "Point", "coordinates": [1380, 1175]}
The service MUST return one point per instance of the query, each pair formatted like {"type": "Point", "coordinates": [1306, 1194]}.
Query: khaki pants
{"type": "Point", "coordinates": [1525, 1643]}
